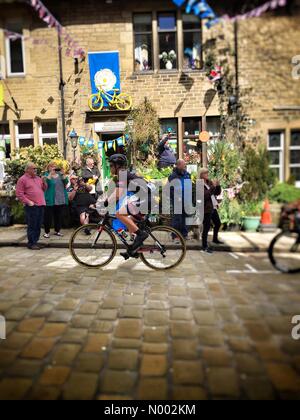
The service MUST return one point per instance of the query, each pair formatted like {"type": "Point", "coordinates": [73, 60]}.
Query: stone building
{"type": "Point", "coordinates": [266, 62]}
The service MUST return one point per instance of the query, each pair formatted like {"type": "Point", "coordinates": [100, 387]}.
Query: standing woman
{"type": "Point", "coordinates": [211, 190]}
{"type": "Point", "coordinates": [56, 198]}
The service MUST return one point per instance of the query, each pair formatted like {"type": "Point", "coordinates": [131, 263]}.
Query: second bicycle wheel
{"type": "Point", "coordinates": [92, 247]}
{"type": "Point", "coordinates": [124, 102]}
{"type": "Point", "coordinates": [284, 252]}
{"type": "Point", "coordinates": [173, 253]}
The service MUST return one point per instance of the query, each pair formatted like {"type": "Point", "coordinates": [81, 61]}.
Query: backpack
{"type": "Point", "coordinates": [5, 215]}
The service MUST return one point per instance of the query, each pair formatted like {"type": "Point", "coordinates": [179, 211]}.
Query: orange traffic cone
{"type": "Point", "coordinates": [266, 218]}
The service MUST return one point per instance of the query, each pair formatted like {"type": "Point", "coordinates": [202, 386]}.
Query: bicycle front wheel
{"type": "Point", "coordinates": [165, 249]}
{"type": "Point", "coordinates": [124, 102]}
{"type": "Point", "coordinates": [93, 246]}
{"type": "Point", "coordinates": [96, 102]}
{"type": "Point", "coordinates": [284, 252]}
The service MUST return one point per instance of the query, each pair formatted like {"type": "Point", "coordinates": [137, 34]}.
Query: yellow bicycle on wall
{"type": "Point", "coordinates": [121, 101]}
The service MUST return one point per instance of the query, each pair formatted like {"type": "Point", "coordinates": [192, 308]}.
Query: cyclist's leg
{"type": "Point", "coordinates": [124, 216]}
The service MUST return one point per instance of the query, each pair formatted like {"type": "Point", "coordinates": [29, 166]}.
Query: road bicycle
{"type": "Point", "coordinates": [122, 101]}
{"type": "Point", "coordinates": [95, 245]}
{"type": "Point", "coordinates": [284, 250]}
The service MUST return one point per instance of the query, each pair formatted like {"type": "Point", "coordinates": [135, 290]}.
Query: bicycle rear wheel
{"type": "Point", "coordinates": [160, 252]}
{"type": "Point", "coordinates": [284, 252]}
{"type": "Point", "coordinates": [124, 102]}
{"type": "Point", "coordinates": [93, 246]}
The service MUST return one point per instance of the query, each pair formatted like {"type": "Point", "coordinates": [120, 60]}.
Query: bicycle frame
{"type": "Point", "coordinates": [143, 224]}
{"type": "Point", "coordinates": [110, 98]}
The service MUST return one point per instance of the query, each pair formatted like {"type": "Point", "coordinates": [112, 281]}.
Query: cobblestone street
{"type": "Point", "coordinates": [216, 327]}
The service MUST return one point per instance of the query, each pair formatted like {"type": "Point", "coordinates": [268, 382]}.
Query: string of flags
{"type": "Point", "coordinates": [204, 11]}
{"type": "Point", "coordinates": [103, 145]}
{"type": "Point", "coordinates": [52, 22]}
{"type": "Point", "coordinates": [14, 36]}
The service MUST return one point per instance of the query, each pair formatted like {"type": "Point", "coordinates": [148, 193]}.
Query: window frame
{"type": "Point", "coordinates": [8, 58]}
{"type": "Point", "coordinates": [137, 33]}
{"type": "Point", "coordinates": [278, 149]}
{"type": "Point", "coordinates": [162, 31]}
{"type": "Point", "coordinates": [200, 31]}
{"type": "Point", "coordinates": [23, 136]}
{"type": "Point", "coordinates": [43, 136]}
{"type": "Point", "coordinates": [294, 165]}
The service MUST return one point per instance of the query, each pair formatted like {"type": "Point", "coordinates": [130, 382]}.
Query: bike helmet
{"type": "Point", "coordinates": [118, 159]}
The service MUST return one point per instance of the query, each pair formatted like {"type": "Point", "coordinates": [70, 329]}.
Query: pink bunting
{"type": "Point", "coordinates": [50, 20]}
{"type": "Point", "coordinates": [257, 12]}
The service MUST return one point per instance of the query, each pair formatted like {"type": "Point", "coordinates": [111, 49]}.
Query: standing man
{"type": "Point", "coordinates": [91, 175]}
{"type": "Point", "coordinates": [181, 193]}
{"type": "Point", "coordinates": [30, 191]}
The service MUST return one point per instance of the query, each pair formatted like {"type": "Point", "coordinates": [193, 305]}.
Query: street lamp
{"type": "Point", "coordinates": [73, 136]}
{"type": "Point", "coordinates": [130, 123]}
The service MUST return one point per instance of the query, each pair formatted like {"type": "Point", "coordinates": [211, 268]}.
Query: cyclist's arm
{"type": "Point", "coordinates": [116, 195]}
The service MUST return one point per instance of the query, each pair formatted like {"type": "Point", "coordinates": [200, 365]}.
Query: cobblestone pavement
{"type": "Point", "coordinates": [216, 327]}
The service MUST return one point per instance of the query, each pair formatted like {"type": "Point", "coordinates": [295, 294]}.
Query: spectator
{"type": "Point", "coordinates": [166, 156]}
{"type": "Point", "coordinates": [211, 190]}
{"type": "Point", "coordinates": [56, 198]}
{"type": "Point", "coordinates": [91, 175]}
{"type": "Point", "coordinates": [30, 191]}
{"type": "Point", "coordinates": [179, 195]}
{"type": "Point", "coordinates": [81, 198]}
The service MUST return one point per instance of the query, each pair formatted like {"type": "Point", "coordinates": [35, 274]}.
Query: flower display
{"type": "Point", "coordinates": [105, 79]}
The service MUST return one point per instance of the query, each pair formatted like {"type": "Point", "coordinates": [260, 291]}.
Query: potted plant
{"type": "Point", "coordinates": [168, 59]}
{"type": "Point", "coordinates": [251, 216]}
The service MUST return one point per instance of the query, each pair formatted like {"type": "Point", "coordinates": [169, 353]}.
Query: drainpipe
{"type": "Point", "coordinates": [236, 55]}
{"type": "Point", "coordinates": [62, 97]}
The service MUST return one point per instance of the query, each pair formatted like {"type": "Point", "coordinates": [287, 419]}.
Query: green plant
{"type": "Point", "coordinates": [40, 156]}
{"type": "Point", "coordinates": [284, 193]}
{"type": "Point", "coordinates": [257, 175]}
{"type": "Point", "coordinates": [150, 171]}
{"type": "Point", "coordinates": [251, 209]}
{"type": "Point", "coordinates": [224, 163]}
{"type": "Point", "coordinates": [18, 212]}
{"type": "Point", "coordinates": [230, 212]}
{"type": "Point", "coordinates": [145, 131]}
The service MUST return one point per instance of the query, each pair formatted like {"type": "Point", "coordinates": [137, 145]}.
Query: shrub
{"type": "Point", "coordinates": [224, 163]}
{"type": "Point", "coordinates": [257, 174]}
{"type": "Point", "coordinates": [230, 212]}
{"type": "Point", "coordinates": [40, 156]}
{"type": "Point", "coordinates": [284, 193]}
{"type": "Point", "coordinates": [251, 209]}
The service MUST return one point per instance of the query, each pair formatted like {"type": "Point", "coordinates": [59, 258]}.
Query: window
{"type": "Point", "coordinates": [192, 56]}
{"type": "Point", "coordinates": [191, 143]}
{"type": "Point", "coordinates": [275, 146]}
{"type": "Point", "coordinates": [48, 133]}
{"type": "Point", "coordinates": [295, 156]}
{"type": "Point", "coordinates": [213, 126]}
{"type": "Point", "coordinates": [167, 34]}
{"type": "Point", "coordinates": [143, 50]}
{"type": "Point", "coordinates": [15, 56]}
{"type": "Point", "coordinates": [24, 135]}
{"type": "Point", "coordinates": [170, 126]}
{"type": "Point", "coordinates": [5, 147]}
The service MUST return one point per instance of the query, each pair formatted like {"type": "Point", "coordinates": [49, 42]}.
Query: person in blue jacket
{"type": "Point", "coordinates": [182, 191]}
{"type": "Point", "coordinates": [166, 156]}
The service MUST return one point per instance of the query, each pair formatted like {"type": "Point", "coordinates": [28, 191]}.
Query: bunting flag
{"type": "Point", "coordinates": [102, 145]}
{"type": "Point", "coordinates": [52, 22]}
{"type": "Point", "coordinates": [204, 11]}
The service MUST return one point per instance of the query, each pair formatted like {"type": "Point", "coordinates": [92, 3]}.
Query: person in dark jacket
{"type": "Point", "coordinates": [91, 175]}
{"type": "Point", "coordinates": [166, 156]}
{"type": "Point", "coordinates": [211, 190]}
{"type": "Point", "coordinates": [178, 195]}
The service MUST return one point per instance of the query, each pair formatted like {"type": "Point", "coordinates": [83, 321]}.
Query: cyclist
{"type": "Point", "coordinates": [128, 202]}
